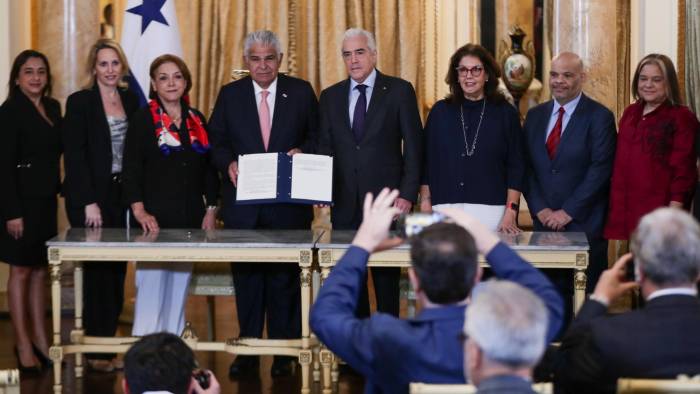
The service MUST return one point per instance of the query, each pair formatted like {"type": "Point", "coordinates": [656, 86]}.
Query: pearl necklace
{"type": "Point", "coordinates": [464, 129]}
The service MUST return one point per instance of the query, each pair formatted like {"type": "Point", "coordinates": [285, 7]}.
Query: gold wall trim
{"type": "Point", "coordinates": [680, 55]}
{"type": "Point", "coordinates": [292, 31]}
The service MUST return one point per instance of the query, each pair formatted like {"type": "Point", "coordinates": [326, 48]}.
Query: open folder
{"type": "Point", "coordinates": [275, 177]}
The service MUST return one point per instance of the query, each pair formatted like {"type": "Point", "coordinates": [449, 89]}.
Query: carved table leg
{"type": "Point", "coordinates": [326, 361]}
{"type": "Point", "coordinates": [323, 256]}
{"type": "Point", "coordinates": [305, 361]}
{"type": "Point", "coordinates": [305, 355]}
{"type": "Point", "coordinates": [56, 351]}
{"type": "Point", "coordinates": [579, 289]}
{"type": "Point", "coordinates": [78, 332]}
{"type": "Point", "coordinates": [330, 369]}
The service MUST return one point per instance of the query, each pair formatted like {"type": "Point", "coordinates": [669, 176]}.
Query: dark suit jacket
{"type": "Point", "coordinates": [658, 341]}
{"type": "Point", "coordinates": [88, 147]}
{"type": "Point", "coordinates": [505, 384]}
{"type": "Point", "coordinates": [29, 154]}
{"type": "Point", "coordinates": [578, 179]}
{"type": "Point", "coordinates": [234, 129]}
{"type": "Point", "coordinates": [377, 161]}
{"type": "Point", "coordinates": [170, 186]}
{"type": "Point", "coordinates": [392, 352]}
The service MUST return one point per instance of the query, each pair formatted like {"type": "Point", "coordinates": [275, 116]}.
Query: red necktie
{"type": "Point", "coordinates": [555, 135]}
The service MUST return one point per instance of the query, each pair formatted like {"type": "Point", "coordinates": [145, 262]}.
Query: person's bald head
{"type": "Point", "coordinates": [566, 77]}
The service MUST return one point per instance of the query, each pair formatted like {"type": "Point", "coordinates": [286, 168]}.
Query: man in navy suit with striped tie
{"type": "Point", "coordinates": [570, 145]}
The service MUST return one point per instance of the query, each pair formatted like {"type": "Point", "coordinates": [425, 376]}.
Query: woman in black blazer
{"type": "Point", "coordinates": [170, 183]}
{"type": "Point", "coordinates": [30, 151]}
{"type": "Point", "coordinates": [93, 134]}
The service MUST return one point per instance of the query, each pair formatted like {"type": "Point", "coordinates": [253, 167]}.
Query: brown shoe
{"type": "Point", "coordinates": [97, 365]}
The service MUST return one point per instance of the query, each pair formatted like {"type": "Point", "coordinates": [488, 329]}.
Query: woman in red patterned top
{"type": "Point", "coordinates": [655, 157]}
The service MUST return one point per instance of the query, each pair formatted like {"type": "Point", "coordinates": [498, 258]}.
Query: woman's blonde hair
{"type": "Point", "coordinates": [106, 43]}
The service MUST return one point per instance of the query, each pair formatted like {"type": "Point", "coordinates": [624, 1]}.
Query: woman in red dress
{"type": "Point", "coordinates": [655, 157]}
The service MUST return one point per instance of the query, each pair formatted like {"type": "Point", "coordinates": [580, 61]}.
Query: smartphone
{"type": "Point", "coordinates": [629, 271]}
{"type": "Point", "coordinates": [409, 225]}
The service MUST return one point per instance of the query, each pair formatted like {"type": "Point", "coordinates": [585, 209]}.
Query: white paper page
{"type": "Point", "coordinates": [257, 176]}
{"type": "Point", "coordinates": [312, 177]}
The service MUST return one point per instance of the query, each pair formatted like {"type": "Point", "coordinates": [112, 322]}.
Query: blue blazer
{"type": "Point", "coordinates": [234, 129]}
{"type": "Point", "coordinates": [578, 178]}
{"type": "Point", "coordinates": [392, 352]}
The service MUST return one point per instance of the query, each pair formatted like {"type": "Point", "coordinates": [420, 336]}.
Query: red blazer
{"type": "Point", "coordinates": [654, 164]}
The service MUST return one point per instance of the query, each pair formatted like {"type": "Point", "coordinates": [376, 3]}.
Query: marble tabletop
{"type": "Point", "coordinates": [339, 239]}
{"type": "Point", "coordinates": [131, 238]}
{"type": "Point", "coordinates": [306, 239]}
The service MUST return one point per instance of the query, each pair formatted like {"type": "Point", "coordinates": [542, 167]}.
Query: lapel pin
{"type": "Point", "coordinates": [284, 95]}
{"type": "Point", "coordinates": [383, 87]}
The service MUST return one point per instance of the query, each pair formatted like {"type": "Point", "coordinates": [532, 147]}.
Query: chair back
{"type": "Point", "coordinates": [425, 388]}
{"type": "Point", "coordinates": [682, 384]}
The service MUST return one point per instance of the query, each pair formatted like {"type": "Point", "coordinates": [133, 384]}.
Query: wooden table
{"type": "Point", "coordinates": [224, 246]}
{"type": "Point", "coordinates": [544, 250]}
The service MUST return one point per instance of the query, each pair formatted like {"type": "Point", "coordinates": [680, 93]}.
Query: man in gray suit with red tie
{"type": "Point", "coordinates": [570, 145]}
{"type": "Point", "coordinates": [370, 124]}
{"type": "Point", "coordinates": [264, 112]}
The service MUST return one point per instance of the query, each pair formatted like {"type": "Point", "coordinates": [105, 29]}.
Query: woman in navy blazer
{"type": "Point", "coordinates": [93, 135]}
{"type": "Point", "coordinates": [473, 145]}
{"type": "Point", "coordinates": [30, 121]}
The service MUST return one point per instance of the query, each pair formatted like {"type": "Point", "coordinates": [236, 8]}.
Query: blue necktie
{"type": "Point", "coordinates": [358, 117]}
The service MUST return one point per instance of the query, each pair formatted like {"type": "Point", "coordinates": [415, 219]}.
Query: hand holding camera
{"type": "Point", "coordinates": [615, 281]}
{"type": "Point", "coordinates": [204, 382]}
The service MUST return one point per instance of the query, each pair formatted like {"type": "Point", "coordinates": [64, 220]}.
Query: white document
{"type": "Point", "coordinates": [312, 177]}
{"type": "Point", "coordinates": [257, 176]}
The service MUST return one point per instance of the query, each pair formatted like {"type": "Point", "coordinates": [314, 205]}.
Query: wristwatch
{"type": "Point", "coordinates": [514, 206]}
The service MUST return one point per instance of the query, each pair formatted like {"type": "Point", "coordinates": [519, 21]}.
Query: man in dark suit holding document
{"type": "Point", "coordinates": [264, 112]}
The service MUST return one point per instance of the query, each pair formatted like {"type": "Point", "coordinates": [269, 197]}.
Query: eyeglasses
{"type": "Point", "coordinates": [464, 71]}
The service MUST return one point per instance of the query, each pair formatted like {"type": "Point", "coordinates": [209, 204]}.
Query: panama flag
{"type": "Point", "coordinates": [150, 30]}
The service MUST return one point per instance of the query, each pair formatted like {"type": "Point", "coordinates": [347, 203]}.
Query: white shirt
{"type": "Point", "coordinates": [270, 97]}
{"type": "Point", "coordinates": [568, 111]}
{"type": "Point", "coordinates": [690, 291]}
{"type": "Point", "coordinates": [355, 94]}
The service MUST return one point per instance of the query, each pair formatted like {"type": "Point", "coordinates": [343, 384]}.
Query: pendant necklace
{"type": "Point", "coordinates": [464, 129]}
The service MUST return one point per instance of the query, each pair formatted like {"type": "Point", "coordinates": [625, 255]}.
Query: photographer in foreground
{"type": "Point", "coordinates": [659, 341]}
{"type": "Point", "coordinates": [162, 363]}
{"type": "Point", "coordinates": [392, 352]}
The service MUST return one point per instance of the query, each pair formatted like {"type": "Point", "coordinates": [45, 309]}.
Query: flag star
{"type": "Point", "coordinates": [149, 10]}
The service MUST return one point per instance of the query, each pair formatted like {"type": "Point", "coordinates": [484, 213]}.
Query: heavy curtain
{"type": "Point", "coordinates": [311, 35]}
{"type": "Point", "coordinates": [692, 55]}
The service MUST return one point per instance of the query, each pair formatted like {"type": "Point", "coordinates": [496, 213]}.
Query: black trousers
{"type": "Point", "coordinates": [268, 289]}
{"type": "Point", "coordinates": [386, 282]}
{"type": "Point", "coordinates": [103, 282]}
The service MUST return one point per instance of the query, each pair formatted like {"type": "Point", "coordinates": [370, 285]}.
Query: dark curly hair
{"type": "Point", "coordinates": [159, 361]}
{"type": "Point", "coordinates": [491, 69]}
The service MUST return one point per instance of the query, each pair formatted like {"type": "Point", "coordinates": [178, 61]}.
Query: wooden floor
{"type": "Point", "coordinates": [226, 327]}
